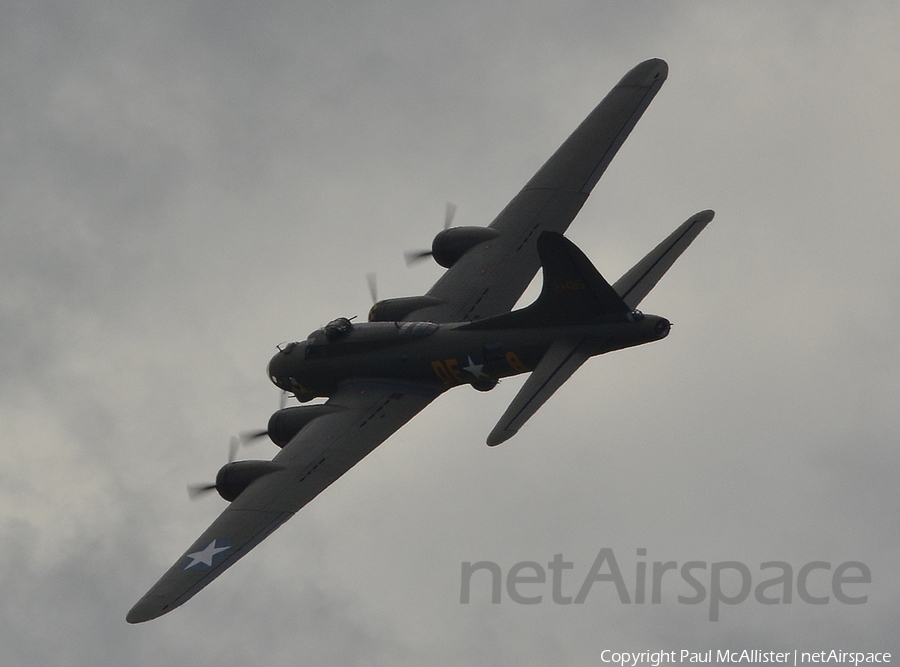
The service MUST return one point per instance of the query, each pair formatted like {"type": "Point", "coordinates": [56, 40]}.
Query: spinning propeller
{"type": "Point", "coordinates": [236, 442]}
{"type": "Point", "coordinates": [413, 256]}
{"type": "Point", "coordinates": [197, 490]}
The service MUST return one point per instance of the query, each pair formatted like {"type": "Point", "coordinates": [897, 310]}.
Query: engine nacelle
{"type": "Point", "coordinates": [234, 478]}
{"type": "Point", "coordinates": [288, 422]}
{"type": "Point", "coordinates": [451, 244]}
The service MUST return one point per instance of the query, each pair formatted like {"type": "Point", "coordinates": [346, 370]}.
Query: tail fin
{"type": "Point", "coordinates": [574, 292]}
{"type": "Point", "coordinates": [643, 276]}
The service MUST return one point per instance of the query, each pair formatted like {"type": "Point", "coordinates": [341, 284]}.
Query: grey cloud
{"type": "Point", "coordinates": [182, 186]}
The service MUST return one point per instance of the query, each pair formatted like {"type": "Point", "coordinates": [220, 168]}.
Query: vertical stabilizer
{"type": "Point", "coordinates": [573, 291]}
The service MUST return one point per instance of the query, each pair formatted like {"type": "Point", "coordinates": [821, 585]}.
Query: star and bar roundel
{"type": "Point", "coordinates": [208, 555]}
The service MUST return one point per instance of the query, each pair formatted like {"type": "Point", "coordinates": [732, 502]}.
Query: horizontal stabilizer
{"type": "Point", "coordinates": [559, 363]}
{"type": "Point", "coordinates": [643, 276]}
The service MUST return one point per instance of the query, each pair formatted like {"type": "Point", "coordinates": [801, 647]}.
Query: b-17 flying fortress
{"type": "Point", "coordinates": [377, 375]}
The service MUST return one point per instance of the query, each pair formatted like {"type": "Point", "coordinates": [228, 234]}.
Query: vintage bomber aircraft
{"type": "Point", "coordinates": [378, 375]}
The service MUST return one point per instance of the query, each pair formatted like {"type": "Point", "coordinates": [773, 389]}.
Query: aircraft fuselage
{"type": "Point", "coordinates": [441, 356]}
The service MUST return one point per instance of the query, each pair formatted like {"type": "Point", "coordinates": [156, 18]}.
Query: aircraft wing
{"type": "Point", "coordinates": [323, 451]}
{"type": "Point", "coordinates": [490, 278]}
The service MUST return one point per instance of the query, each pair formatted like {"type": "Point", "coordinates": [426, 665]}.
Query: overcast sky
{"type": "Point", "coordinates": [183, 185]}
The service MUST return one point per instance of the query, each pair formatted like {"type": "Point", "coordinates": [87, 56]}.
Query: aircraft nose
{"type": "Point", "coordinates": [277, 371]}
{"type": "Point", "coordinates": [270, 370]}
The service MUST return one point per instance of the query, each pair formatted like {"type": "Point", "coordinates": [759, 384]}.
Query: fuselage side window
{"type": "Point", "coordinates": [418, 329]}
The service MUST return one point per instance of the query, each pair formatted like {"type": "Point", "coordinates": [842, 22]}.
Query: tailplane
{"type": "Point", "coordinates": [643, 276]}
{"type": "Point", "coordinates": [559, 363]}
{"type": "Point", "coordinates": [574, 292]}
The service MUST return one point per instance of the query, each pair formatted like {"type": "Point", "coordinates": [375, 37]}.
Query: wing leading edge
{"type": "Point", "coordinates": [323, 451]}
{"type": "Point", "coordinates": [489, 279]}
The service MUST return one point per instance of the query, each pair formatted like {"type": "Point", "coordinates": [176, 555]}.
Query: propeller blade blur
{"type": "Point", "coordinates": [197, 490]}
{"type": "Point", "coordinates": [414, 257]}
{"type": "Point", "coordinates": [448, 214]}
{"type": "Point", "coordinates": [250, 436]}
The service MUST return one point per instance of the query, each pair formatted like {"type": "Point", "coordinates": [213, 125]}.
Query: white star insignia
{"type": "Point", "coordinates": [205, 556]}
{"type": "Point", "coordinates": [475, 369]}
